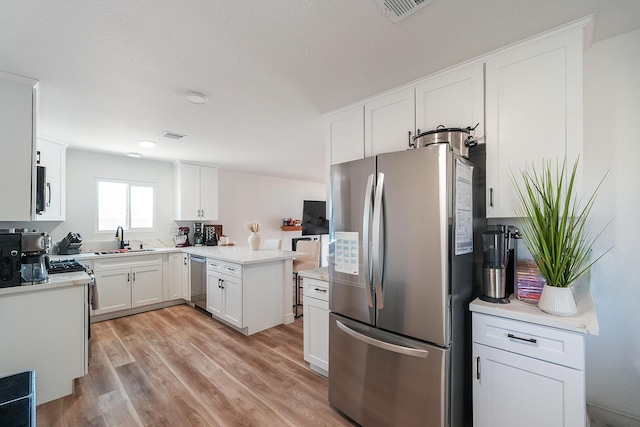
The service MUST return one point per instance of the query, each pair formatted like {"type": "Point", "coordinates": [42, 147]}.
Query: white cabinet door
{"type": "Point", "coordinates": [454, 98]}
{"type": "Point", "coordinates": [344, 135]}
{"type": "Point", "coordinates": [215, 294]}
{"type": "Point", "coordinates": [174, 276]}
{"type": "Point", "coordinates": [389, 120]}
{"type": "Point", "coordinates": [533, 111]}
{"type": "Point", "coordinates": [515, 390]}
{"type": "Point", "coordinates": [114, 290]}
{"type": "Point", "coordinates": [52, 156]}
{"type": "Point", "coordinates": [186, 278]}
{"type": "Point", "coordinates": [146, 285]}
{"type": "Point", "coordinates": [187, 191]}
{"type": "Point", "coordinates": [208, 193]}
{"type": "Point", "coordinates": [196, 192]}
{"type": "Point", "coordinates": [316, 332]}
{"type": "Point", "coordinates": [232, 294]}
{"type": "Point", "coordinates": [17, 121]}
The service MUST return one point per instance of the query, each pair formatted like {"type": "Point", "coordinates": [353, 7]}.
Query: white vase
{"type": "Point", "coordinates": [557, 301]}
{"type": "Point", "coordinates": [254, 241]}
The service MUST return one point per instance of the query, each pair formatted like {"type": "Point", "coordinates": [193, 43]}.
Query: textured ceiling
{"type": "Point", "coordinates": [114, 72]}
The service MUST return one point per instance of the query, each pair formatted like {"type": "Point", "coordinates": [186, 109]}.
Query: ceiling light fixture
{"type": "Point", "coordinates": [196, 98]}
{"type": "Point", "coordinates": [134, 155]}
{"type": "Point", "coordinates": [146, 143]}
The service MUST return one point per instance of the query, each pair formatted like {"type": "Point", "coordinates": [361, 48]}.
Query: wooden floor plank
{"type": "Point", "coordinates": [179, 367]}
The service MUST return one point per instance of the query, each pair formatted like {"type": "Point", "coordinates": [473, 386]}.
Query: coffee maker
{"type": "Point", "coordinates": [35, 257]}
{"type": "Point", "coordinates": [198, 237]}
{"type": "Point", "coordinates": [499, 250]}
{"type": "Point", "coordinates": [10, 255]}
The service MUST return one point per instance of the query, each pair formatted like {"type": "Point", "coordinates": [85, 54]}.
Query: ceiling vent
{"type": "Point", "coordinates": [173, 135]}
{"type": "Point", "coordinates": [397, 10]}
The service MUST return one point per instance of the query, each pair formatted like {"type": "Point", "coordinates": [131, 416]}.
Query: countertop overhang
{"type": "Point", "coordinates": [60, 280]}
{"type": "Point", "coordinates": [584, 321]}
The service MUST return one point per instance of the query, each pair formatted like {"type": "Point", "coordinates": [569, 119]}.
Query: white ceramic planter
{"type": "Point", "coordinates": [557, 301]}
{"type": "Point", "coordinates": [254, 241]}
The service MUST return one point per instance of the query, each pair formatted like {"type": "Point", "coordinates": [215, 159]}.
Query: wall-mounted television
{"type": "Point", "coordinates": [314, 218]}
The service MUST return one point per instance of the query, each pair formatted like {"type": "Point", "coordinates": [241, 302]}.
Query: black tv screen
{"type": "Point", "coordinates": [314, 218]}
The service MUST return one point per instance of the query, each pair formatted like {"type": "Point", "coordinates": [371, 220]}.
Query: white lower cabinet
{"type": "Point", "coordinates": [316, 324]}
{"type": "Point", "coordinates": [224, 291]}
{"type": "Point", "coordinates": [128, 282]}
{"type": "Point", "coordinates": [526, 374]}
{"type": "Point", "coordinates": [173, 272]}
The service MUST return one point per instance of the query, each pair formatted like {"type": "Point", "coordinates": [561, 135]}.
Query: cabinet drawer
{"type": "Point", "coordinates": [314, 288]}
{"type": "Point", "coordinates": [214, 265]}
{"type": "Point", "coordinates": [541, 342]}
{"type": "Point", "coordinates": [126, 261]}
{"type": "Point", "coordinates": [234, 270]}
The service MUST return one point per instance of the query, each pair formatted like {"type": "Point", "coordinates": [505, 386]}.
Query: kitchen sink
{"type": "Point", "coordinates": [123, 251]}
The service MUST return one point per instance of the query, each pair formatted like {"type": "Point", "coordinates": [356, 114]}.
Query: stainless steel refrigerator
{"type": "Point", "coordinates": [400, 272]}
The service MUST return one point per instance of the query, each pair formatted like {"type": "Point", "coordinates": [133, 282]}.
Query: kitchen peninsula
{"type": "Point", "coordinates": [45, 329]}
{"type": "Point", "coordinates": [248, 290]}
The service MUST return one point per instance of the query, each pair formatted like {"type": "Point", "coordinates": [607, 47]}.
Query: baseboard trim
{"type": "Point", "coordinates": [602, 417]}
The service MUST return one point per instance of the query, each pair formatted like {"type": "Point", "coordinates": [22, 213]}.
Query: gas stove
{"type": "Point", "coordinates": [65, 266]}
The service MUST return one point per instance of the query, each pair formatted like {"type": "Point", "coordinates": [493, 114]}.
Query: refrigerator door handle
{"type": "Point", "coordinates": [381, 344]}
{"type": "Point", "coordinates": [366, 227]}
{"type": "Point", "coordinates": [378, 261]}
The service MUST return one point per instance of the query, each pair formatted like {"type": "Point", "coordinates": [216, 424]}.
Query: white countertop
{"type": "Point", "coordinates": [238, 254]}
{"type": "Point", "coordinates": [60, 280]}
{"type": "Point", "coordinates": [320, 273]}
{"type": "Point", "coordinates": [584, 321]}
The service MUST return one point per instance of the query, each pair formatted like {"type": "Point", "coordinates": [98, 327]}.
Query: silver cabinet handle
{"type": "Point", "coordinates": [529, 340]}
{"type": "Point", "coordinates": [128, 277]}
{"type": "Point", "coordinates": [49, 191]}
{"type": "Point", "coordinates": [324, 291]}
{"type": "Point", "coordinates": [202, 214]}
{"type": "Point", "coordinates": [366, 227]}
{"type": "Point", "coordinates": [491, 197]}
{"type": "Point", "coordinates": [378, 261]}
{"type": "Point", "coordinates": [415, 352]}
{"type": "Point", "coordinates": [134, 277]}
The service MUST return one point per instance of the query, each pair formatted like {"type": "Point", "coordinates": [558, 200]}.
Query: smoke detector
{"type": "Point", "coordinates": [397, 10]}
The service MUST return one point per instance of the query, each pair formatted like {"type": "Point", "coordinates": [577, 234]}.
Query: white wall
{"type": "Point", "coordinates": [267, 200]}
{"type": "Point", "coordinates": [612, 117]}
{"type": "Point", "coordinates": [242, 198]}
{"type": "Point", "coordinates": [83, 167]}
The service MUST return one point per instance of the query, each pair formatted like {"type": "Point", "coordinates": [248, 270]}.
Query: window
{"type": "Point", "coordinates": [126, 204]}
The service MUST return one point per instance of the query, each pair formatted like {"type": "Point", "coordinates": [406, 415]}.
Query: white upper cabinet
{"type": "Point", "coordinates": [196, 192]}
{"type": "Point", "coordinates": [533, 111]}
{"type": "Point", "coordinates": [389, 121]}
{"type": "Point", "coordinates": [344, 133]}
{"type": "Point", "coordinates": [17, 121]}
{"type": "Point", "coordinates": [52, 155]}
{"type": "Point", "coordinates": [453, 99]}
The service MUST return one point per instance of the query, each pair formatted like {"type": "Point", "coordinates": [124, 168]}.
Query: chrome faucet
{"type": "Point", "coordinates": [120, 235]}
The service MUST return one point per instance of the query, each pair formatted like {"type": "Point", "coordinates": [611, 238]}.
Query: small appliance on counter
{"type": "Point", "coordinates": [70, 245]}
{"type": "Point", "coordinates": [35, 257]}
{"type": "Point", "coordinates": [10, 256]}
{"type": "Point", "coordinates": [212, 234]}
{"type": "Point", "coordinates": [198, 237]}
{"type": "Point", "coordinates": [181, 239]}
{"type": "Point", "coordinates": [499, 267]}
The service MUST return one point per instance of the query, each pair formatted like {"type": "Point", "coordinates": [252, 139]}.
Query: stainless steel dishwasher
{"type": "Point", "coordinates": [198, 266]}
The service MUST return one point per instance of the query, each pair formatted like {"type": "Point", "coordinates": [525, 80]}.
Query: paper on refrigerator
{"type": "Point", "coordinates": [346, 252]}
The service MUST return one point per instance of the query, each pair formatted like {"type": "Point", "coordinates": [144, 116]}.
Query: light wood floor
{"type": "Point", "coordinates": [179, 367]}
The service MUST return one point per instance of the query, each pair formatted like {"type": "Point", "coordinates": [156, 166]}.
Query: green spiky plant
{"type": "Point", "coordinates": [555, 227]}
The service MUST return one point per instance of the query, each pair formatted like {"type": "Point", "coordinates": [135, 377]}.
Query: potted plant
{"type": "Point", "coordinates": [556, 232]}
